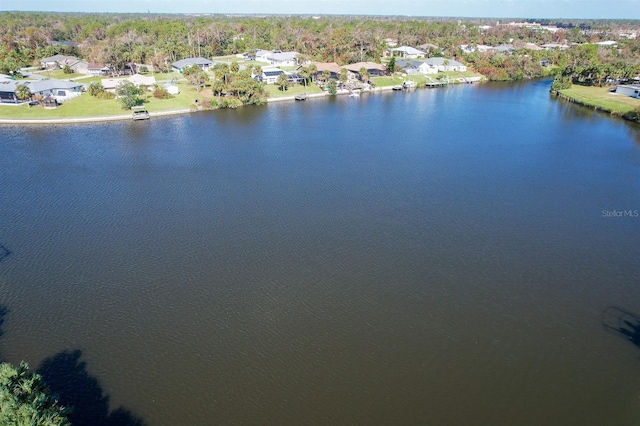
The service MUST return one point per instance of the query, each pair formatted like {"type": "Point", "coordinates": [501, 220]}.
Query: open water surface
{"type": "Point", "coordinates": [430, 257]}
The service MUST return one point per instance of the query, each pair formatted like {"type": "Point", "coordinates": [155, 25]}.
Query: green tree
{"type": "Point", "coordinates": [344, 75]}
{"type": "Point", "coordinates": [283, 82]}
{"type": "Point", "coordinates": [391, 66]}
{"type": "Point", "coordinates": [23, 92]}
{"type": "Point", "coordinates": [67, 69]}
{"type": "Point", "coordinates": [196, 76]}
{"type": "Point", "coordinates": [25, 399]}
{"type": "Point", "coordinates": [95, 88]}
{"type": "Point", "coordinates": [364, 74]}
{"type": "Point", "coordinates": [129, 94]}
{"type": "Point", "coordinates": [333, 87]}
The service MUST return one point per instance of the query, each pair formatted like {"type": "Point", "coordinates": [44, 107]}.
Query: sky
{"type": "Point", "coordinates": [558, 9]}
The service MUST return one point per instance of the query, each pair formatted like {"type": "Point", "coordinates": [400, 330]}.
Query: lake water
{"type": "Point", "coordinates": [430, 257]}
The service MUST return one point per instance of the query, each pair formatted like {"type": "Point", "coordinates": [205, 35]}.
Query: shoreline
{"type": "Point", "coordinates": [124, 117]}
{"type": "Point", "coordinates": [629, 116]}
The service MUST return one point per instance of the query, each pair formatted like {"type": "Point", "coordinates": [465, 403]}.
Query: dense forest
{"type": "Point", "coordinates": [159, 40]}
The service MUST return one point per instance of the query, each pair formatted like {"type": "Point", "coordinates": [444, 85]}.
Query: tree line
{"type": "Point", "coordinates": [159, 40]}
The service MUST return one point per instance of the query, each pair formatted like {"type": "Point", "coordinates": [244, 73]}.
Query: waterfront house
{"type": "Point", "coordinates": [270, 75]}
{"type": "Point", "coordinates": [8, 91]}
{"type": "Point", "coordinates": [333, 68]}
{"type": "Point", "coordinates": [60, 90]}
{"type": "Point", "coordinates": [632, 90]}
{"type": "Point", "coordinates": [374, 70]}
{"type": "Point", "coordinates": [413, 67]}
{"type": "Point", "coordinates": [203, 63]}
{"type": "Point", "coordinates": [445, 64]}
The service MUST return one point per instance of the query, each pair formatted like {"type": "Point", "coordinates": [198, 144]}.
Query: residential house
{"type": "Point", "coordinates": [203, 63]}
{"type": "Point", "coordinates": [58, 61]}
{"type": "Point", "coordinates": [143, 81]}
{"type": "Point", "coordinates": [60, 90]}
{"type": "Point", "coordinates": [408, 52]}
{"type": "Point", "coordinates": [270, 75]}
{"type": "Point", "coordinates": [96, 69]}
{"type": "Point", "coordinates": [8, 91]}
{"type": "Point", "coordinates": [444, 64]}
{"type": "Point", "coordinates": [374, 70]}
{"type": "Point", "coordinates": [503, 48]}
{"type": "Point", "coordinates": [428, 48]}
{"type": "Point", "coordinates": [277, 58]}
{"type": "Point", "coordinates": [295, 78]}
{"type": "Point", "coordinates": [632, 90]}
{"type": "Point", "coordinates": [333, 68]}
{"type": "Point", "coordinates": [416, 67]}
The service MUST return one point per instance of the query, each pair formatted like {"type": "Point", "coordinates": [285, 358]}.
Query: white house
{"type": "Point", "coordinates": [58, 89]}
{"type": "Point", "coordinates": [277, 57]}
{"type": "Point", "coordinates": [416, 67]}
{"type": "Point", "coordinates": [444, 64]}
{"type": "Point", "coordinates": [408, 52]}
{"type": "Point", "coordinates": [270, 75]}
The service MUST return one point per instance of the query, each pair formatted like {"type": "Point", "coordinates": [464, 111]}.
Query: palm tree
{"type": "Point", "coordinates": [23, 92]}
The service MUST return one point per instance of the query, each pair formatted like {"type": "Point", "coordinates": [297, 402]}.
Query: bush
{"type": "Point", "coordinates": [143, 69]}
{"type": "Point", "coordinates": [161, 92]}
{"type": "Point", "coordinates": [561, 83]}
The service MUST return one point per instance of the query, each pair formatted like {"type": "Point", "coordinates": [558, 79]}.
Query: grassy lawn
{"type": "Point", "coordinates": [57, 74]}
{"type": "Point", "coordinates": [601, 97]}
{"type": "Point", "coordinates": [274, 92]}
{"type": "Point", "coordinates": [420, 79]}
{"type": "Point", "coordinates": [89, 106]}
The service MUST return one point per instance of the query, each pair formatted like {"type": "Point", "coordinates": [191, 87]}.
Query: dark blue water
{"type": "Point", "coordinates": [429, 257]}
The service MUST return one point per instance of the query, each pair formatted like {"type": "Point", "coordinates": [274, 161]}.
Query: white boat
{"type": "Point", "coordinates": [139, 113]}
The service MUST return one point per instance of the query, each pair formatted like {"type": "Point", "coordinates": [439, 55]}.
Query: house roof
{"type": "Point", "coordinates": [440, 61]}
{"type": "Point", "coordinates": [142, 80]}
{"type": "Point", "coordinates": [408, 50]}
{"type": "Point", "coordinates": [367, 65]}
{"type": "Point", "coordinates": [61, 59]}
{"type": "Point", "coordinates": [427, 46]}
{"type": "Point", "coordinates": [532, 46]}
{"type": "Point", "coordinates": [8, 85]}
{"type": "Point", "coordinates": [51, 84]}
{"type": "Point", "coordinates": [187, 62]}
{"type": "Point", "coordinates": [328, 66]}
{"type": "Point", "coordinates": [94, 66]}
{"type": "Point", "coordinates": [406, 63]}
{"type": "Point", "coordinates": [272, 73]}
{"type": "Point", "coordinates": [283, 56]}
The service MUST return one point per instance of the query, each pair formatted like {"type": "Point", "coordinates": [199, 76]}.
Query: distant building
{"type": "Point", "coordinates": [203, 63]}
{"type": "Point", "coordinates": [407, 52]}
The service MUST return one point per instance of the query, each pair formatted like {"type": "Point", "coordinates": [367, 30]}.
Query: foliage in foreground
{"type": "Point", "coordinates": [25, 399]}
